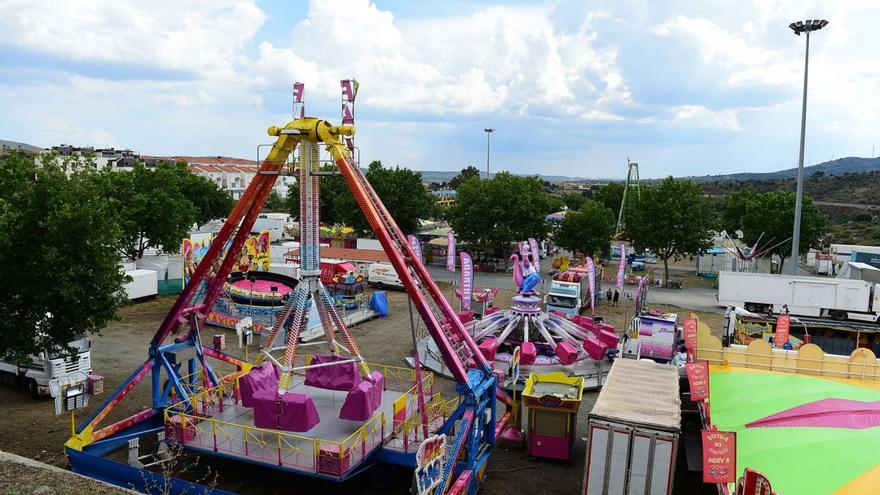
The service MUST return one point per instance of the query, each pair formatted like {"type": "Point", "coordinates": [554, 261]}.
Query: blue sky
{"type": "Point", "coordinates": [571, 87]}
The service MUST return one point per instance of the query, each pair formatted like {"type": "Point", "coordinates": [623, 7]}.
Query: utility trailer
{"type": "Point", "coordinates": [634, 430]}
{"type": "Point", "coordinates": [804, 296]}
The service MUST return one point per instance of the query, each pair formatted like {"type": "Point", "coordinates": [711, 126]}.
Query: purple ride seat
{"type": "Point", "coordinates": [342, 377]}
{"type": "Point", "coordinates": [259, 378]}
{"type": "Point", "coordinates": [362, 401]}
{"type": "Point", "coordinates": [294, 412]}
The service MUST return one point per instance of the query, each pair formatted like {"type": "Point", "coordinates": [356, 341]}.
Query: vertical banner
{"type": "Point", "coordinates": [698, 378]}
{"type": "Point", "coordinates": [753, 483]}
{"type": "Point", "coordinates": [591, 272]}
{"type": "Point", "coordinates": [621, 266]}
{"type": "Point", "coordinates": [690, 335]}
{"type": "Point", "coordinates": [467, 280]}
{"type": "Point", "coordinates": [450, 251]}
{"type": "Point", "coordinates": [416, 246]}
{"type": "Point", "coordinates": [783, 326]}
{"type": "Point", "coordinates": [298, 89]}
{"type": "Point", "coordinates": [536, 253]}
{"type": "Point", "coordinates": [719, 456]}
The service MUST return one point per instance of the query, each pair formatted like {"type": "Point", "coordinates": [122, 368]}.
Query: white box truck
{"type": "Point", "coordinates": [144, 283]}
{"type": "Point", "coordinates": [38, 370]}
{"type": "Point", "coordinates": [569, 292]}
{"type": "Point", "coordinates": [383, 275]}
{"type": "Point", "coordinates": [633, 431]}
{"type": "Point", "coordinates": [805, 296]}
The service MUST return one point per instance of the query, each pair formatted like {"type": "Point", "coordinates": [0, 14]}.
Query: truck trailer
{"type": "Point", "coordinates": [837, 298]}
{"type": "Point", "coordinates": [569, 292]}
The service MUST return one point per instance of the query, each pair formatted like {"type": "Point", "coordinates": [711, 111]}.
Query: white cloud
{"type": "Point", "coordinates": [700, 116]}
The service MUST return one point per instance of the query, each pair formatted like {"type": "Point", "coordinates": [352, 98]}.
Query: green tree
{"type": "Point", "coordinates": [60, 271]}
{"type": "Point", "coordinates": [466, 173]}
{"type": "Point", "coordinates": [159, 206]}
{"type": "Point", "coordinates": [497, 212]}
{"type": "Point", "coordinates": [672, 220]}
{"type": "Point", "coordinates": [574, 201]}
{"type": "Point", "coordinates": [276, 204]}
{"type": "Point", "coordinates": [587, 229]}
{"type": "Point", "coordinates": [610, 195]}
{"type": "Point", "coordinates": [400, 190]}
{"type": "Point", "coordinates": [331, 187]}
{"type": "Point", "coordinates": [772, 214]}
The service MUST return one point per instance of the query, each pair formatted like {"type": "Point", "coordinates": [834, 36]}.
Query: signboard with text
{"type": "Point", "coordinates": [690, 334]}
{"type": "Point", "coordinates": [783, 326]}
{"type": "Point", "coordinates": [719, 456]}
{"type": "Point", "coordinates": [698, 378]}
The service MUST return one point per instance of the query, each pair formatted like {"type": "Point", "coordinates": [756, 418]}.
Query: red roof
{"type": "Point", "coordinates": [364, 255]}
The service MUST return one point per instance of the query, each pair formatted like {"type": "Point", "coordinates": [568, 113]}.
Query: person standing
{"type": "Point", "coordinates": [616, 297]}
{"type": "Point", "coordinates": [608, 295]}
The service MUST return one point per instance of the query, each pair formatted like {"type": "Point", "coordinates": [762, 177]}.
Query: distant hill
{"type": "Point", "coordinates": [841, 166]}
{"type": "Point", "coordinates": [439, 176]}
{"type": "Point", "coordinates": [7, 146]}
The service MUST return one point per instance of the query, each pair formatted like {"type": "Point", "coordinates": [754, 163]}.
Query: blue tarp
{"type": "Point", "coordinates": [379, 303]}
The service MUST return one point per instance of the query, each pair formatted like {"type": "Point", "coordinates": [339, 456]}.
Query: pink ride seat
{"type": "Point", "coordinates": [362, 401]}
{"type": "Point", "coordinates": [342, 377]}
{"type": "Point", "coordinates": [488, 347]}
{"type": "Point", "coordinates": [595, 348]}
{"type": "Point", "coordinates": [259, 378]}
{"type": "Point", "coordinates": [608, 337]}
{"type": "Point", "coordinates": [294, 412]}
{"type": "Point", "coordinates": [566, 353]}
{"type": "Point", "coordinates": [528, 353]}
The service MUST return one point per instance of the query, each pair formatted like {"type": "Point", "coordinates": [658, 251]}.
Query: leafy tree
{"type": "Point", "coordinates": [772, 214]}
{"type": "Point", "coordinates": [159, 206]}
{"type": "Point", "coordinates": [275, 203]}
{"type": "Point", "coordinates": [400, 190]}
{"type": "Point", "coordinates": [610, 195]}
{"type": "Point", "coordinates": [61, 274]}
{"type": "Point", "coordinates": [574, 201]}
{"type": "Point", "coordinates": [497, 212]}
{"type": "Point", "coordinates": [466, 174]}
{"type": "Point", "coordinates": [672, 220]}
{"type": "Point", "coordinates": [587, 229]}
{"type": "Point", "coordinates": [331, 187]}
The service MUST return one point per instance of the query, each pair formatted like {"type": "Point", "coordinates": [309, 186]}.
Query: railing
{"type": "Point", "coordinates": [192, 423]}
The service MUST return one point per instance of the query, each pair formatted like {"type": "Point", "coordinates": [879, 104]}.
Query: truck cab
{"type": "Point", "coordinates": [39, 369]}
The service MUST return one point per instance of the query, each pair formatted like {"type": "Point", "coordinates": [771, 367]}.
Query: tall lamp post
{"type": "Point", "coordinates": [488, 133]}
{"type": "Point", "coordinates": [798, 28]}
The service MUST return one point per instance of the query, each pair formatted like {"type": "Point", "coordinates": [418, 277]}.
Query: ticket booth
{"type": "Point", "coordinates": [552, 400]}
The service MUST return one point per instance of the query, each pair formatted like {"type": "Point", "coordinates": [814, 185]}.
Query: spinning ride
{"type": "Point", "coordinates": [248, 415]}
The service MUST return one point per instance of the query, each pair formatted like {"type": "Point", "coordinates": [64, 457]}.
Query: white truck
{"type": "Point", "coordinates": [383, 275]}
{"type": "Point", "coordinates": [569, 292]}
{"type": "Point", "coordinates": [805, 296]}
{"type": "Point", "coordinates": [49, 364]}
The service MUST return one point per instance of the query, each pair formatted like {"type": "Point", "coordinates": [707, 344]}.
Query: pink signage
{"type": "Point", "coordinates": [450, 251]}
{"type": "Point", "coordinates": [416, 247]}
{"type": "Point", "coordinates": [591, 272]}
{"type": "Point", "coordinates": [719, 456]}
{"type": "Point", "coordinates": [536, 253]}
{"type": "Point", "coordinates": [467, 280]}
{"type": "Point", "coordinates": [621, 266]}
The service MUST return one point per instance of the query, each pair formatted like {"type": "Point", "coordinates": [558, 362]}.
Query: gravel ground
{"type": "Point", "coordinates": [31, 429]}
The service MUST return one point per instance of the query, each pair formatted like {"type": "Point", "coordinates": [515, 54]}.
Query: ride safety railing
{"type": "Point", "coordinates": [194, 422]}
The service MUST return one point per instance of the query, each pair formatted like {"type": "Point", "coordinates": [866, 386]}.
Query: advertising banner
{"type": "Point", "coordinates": [690, 334]}
{"type": "Point", "coordinates": [719, 456]}
{"type": "Point", "coordinates": [416, 246]}
{"type": "Point", "coordinates": [591, 272]}
{"type": "Point", "coordinates": [698, 377]}
{"type": "Point", "coordinates": [783, 325]}
{"type": "Point", "coordinates": [467, 280]}
{"type": "Point", "coordinates": [450, 251]}
{"type": "Point", "coordinates": [536, 253]}
{"type": "Point", "coordinates": [621, 266]}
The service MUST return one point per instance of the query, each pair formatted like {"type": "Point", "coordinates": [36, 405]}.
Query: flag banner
{"type": "Point", "coordinates": [416, 247]}
{"type": "Point", "coordinates": [690, 335]}
{"type": "Point", "coordinates": [719, 456]}
{"type": "Point", "coordinates": [467, 280]}
{"type": "Point", "coordinates": [621, 266]}
{"type": "Point", "coordinates": [536, 253]}
{"type": "Point", "coordinates": [698, 378]}
{"type": "Point", "coordinates": [591, 272]}
{"type": "Point", "coordinates": [450, 251]}
{"type": "Point", "coordinates": [783, 325]}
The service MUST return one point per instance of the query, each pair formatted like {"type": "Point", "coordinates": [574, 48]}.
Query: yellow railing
{"type": "Point", "coordinates": [191, 422]}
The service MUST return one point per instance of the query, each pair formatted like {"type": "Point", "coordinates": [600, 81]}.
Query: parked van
{"type": "Point", "coordinates": [383, 275]}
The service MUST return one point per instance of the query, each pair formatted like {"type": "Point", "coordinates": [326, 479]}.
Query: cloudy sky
{"type": "Point", "coordinates": [571, 87]}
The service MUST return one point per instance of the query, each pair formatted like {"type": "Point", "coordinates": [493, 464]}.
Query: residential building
{"type": "Point", "coordinates": [232, 174]}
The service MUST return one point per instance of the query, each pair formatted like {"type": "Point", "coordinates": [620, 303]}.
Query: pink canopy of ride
{"type": "Point", "coordinates": [262, 286]}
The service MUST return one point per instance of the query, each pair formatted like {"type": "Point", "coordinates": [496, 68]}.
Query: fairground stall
{"type": "Point", "coordinates": [552, 401]}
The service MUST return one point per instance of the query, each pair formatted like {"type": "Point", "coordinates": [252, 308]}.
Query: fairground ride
{"type": "Point", "coordinates": [200, 410]}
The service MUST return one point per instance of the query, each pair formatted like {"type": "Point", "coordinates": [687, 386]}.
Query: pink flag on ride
{"type": "Point", "coordinates": [298, 88]}
{"type": "Point", "coordinates": [450, 251]}
{"type": "Point", "coordinates": [621, 266]}
{"type": "Point", "coordinates": [467, 280]}
{"type": "Point", "coordinates": [416, 247]}
{"type": "Point", "coordinates": [536, 253]}
{"type": "Point", "coordinates": [591, 272]}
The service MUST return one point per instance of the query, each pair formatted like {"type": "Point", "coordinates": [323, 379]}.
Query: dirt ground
{"type": "Point", "coordinates": [31, 428]}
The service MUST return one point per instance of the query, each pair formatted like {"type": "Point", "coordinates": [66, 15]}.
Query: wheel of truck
{"type": "Point", "coordinates": [33, 389]}
{"type": "Point", "coordinates": [837, 315]}
{"type": "Point", "coordinates": [749, 307]}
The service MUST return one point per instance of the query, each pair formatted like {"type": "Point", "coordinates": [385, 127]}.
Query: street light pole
{"type": "Point", "coordinates": [488, 133]}
{"type": "Point", "coordinates": [798, 28]}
